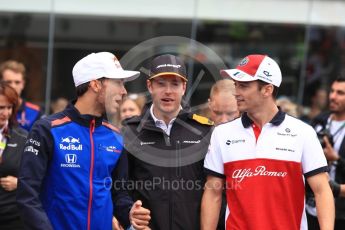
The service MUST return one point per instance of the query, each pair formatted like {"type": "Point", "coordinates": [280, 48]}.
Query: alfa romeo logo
{"type": "Point", "coordinates": [244, 61]}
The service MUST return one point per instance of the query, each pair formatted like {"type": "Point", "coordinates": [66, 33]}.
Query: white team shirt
{"type": "Point", "coordinates": [264, 170]}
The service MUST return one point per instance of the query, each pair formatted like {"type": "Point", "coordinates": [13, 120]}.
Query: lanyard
{"type": "Point", "coordinates": [329, 125]}
{"type": "Point", "coordinates": [3, 141]}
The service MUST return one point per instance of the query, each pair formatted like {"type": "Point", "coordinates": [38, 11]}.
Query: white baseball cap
{"type": "Point", "coordinates": [98, 65]}
{"type": "Point", "coordinates": [256, 67]}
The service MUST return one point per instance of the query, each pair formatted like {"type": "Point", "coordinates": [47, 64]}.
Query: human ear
{"type": "Point", "coordinates": [268, 90]}
{"type": "Point", "coordinates": [184, 87]}
{"type": "Point", "coordinates": [149, 85]}
{"type": "Point", "coordinates": [95, 85]}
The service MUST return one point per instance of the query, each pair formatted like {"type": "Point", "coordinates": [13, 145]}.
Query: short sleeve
{"type": "Point", "coordinates": [213, 163]}
{"type": "Point", "coordinates": [313, 158]}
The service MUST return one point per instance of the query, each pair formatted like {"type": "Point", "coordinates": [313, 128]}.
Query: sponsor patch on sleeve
{"type": "Point", "coordinates": [202, 120]}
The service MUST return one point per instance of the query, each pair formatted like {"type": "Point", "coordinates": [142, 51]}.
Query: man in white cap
{"type": "Point", "coordinates": [263, 157]}
{"type": "Point", "coordinates": [72, 158]}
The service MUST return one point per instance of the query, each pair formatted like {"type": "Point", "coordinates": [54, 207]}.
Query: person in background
{"type": "Point", "coordinates": [263, 156]}
{"type": "Point", "coordinates": [58, 105]}
{"type": "Point", "coordinates": [72, 158]}
{"type": "Point", "coordinates": [318, 105]}
{"type": "Point", "coordinates": [131, 106]}
{"type": "Point", "coordinates": [222, 102]}
{"type": "Point", "coordinates": [330, 127]}
{"type": "Point", "coordinates": [12, 140]}
{"type": "Point", "coordinates": [13, 73]}
{"type": "Point", "coordinates": [223, 108]}
{"type": "Point", "coordinates": [287, 106]}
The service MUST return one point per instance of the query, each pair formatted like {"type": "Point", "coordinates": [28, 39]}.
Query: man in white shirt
{"type": "Point", "coordinates": [263, 156]}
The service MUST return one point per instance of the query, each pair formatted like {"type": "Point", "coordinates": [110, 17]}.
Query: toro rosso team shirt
{"type": "Point", "coordinates": [264, 170]}
{"type": "Point", "coordinates": [69, 164]}
{"type": "Point", "coordinates": [28, 114]}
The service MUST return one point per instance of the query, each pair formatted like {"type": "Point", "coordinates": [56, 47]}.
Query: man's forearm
{"type": "Point", "coordinates": [211, 204]}
{"type": "Point", "coordinates": [210, 209]}
{"type": "Point", "coordinates": [325, 209]}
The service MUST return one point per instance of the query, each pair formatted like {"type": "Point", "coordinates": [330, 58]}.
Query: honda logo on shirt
{"type": "Point", "coordinates": [71, 158]}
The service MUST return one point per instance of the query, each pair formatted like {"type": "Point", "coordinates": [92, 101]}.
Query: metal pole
{"type": "Point", "coordinates": [305, 56]}
{"type": "Point", "coordinates": [50, 57]}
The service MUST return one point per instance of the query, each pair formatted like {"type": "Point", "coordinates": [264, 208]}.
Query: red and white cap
{"type": "Point", "coordinates": [256, 67]}
{"type": "Point", "coordinates": [99, 65]}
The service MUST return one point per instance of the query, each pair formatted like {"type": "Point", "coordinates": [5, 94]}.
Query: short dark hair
{"type": "Point", "coordinates": [275, 88]}
{"type": "Point", "coordinates": [81, 89]}
{"type": "Point", "coordinates": [340, 78]}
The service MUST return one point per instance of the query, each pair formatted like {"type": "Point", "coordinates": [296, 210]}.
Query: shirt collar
{"type": "Point", "coordinates": [276, 120]}
{"type": "Point", "coordinates": [161, 124]}
{"type": "Point", "coordinates": [156, 120]}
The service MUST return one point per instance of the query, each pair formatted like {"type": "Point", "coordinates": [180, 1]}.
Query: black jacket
{"type": "Point", "coordinates": [166, 172]}
{"type": "Point", "coordinates": [340, 169]}
{"type": "Point", "coordinates": [9, 166]}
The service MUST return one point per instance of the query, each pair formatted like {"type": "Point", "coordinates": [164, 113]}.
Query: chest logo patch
{"type": "Point", "coordinates": [192, 142]}
{"type": "Point", "coordinates": [147, 142]}
{"type": "Point", "coordinates": [241, 174]}
{"type": "Point", "coordinates": [70, 143]}
{"type": "Point", "coordinates": [228, 142]}
{"type": "Point", "coordinates": [70, 161]}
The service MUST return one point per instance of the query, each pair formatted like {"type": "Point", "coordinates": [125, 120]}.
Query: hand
{"type": "Point", "coordinates": [330, 153]}
{"type": "Point", "coordinates": [139, 216]}
{"type": "Point", "coordinates": [9, 183]}
{"type": "Point", "coordinates": [116, 224]}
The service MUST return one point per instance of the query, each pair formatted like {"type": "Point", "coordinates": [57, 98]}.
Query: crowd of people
{"type": "Point", "coordinates": [109, 159]}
